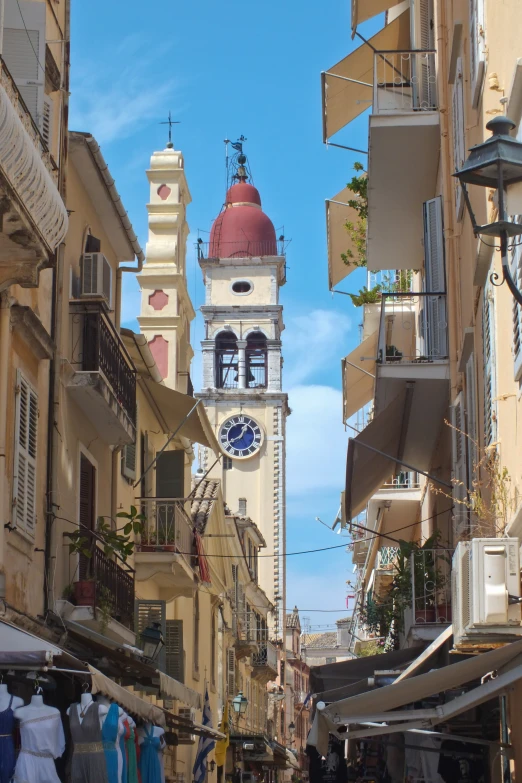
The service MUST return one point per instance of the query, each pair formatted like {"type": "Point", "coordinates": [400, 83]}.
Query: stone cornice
{"type": "Point", "coordinates": [29, 327]}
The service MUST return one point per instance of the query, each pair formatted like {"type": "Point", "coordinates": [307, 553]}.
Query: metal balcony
{"type": "Point", "coordinates": [247, 635]}
{"type": "Point", "coordinates": [264, 662]}
{"type": "Point", "coordinates": [430, 571]}
{"type": "Point", "coordinates": [404, 82]}
{"type": "Point", "coordinates": [104, 379]}
{"type": "Point", "coordinates": [385, 569]}
{"type": "Point", "coordinates": [165, 550]}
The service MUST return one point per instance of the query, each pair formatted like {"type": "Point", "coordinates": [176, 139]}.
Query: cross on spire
{"type": "Point", "coordinates": [170, 122]}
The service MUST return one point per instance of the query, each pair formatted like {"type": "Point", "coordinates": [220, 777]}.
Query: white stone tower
{"type": "Point", "coordinates": [243, 271]}
{"type": "Point", "coordinates": [166, 309]}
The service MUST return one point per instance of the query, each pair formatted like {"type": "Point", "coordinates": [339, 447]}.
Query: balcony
{"type": "Point", "coordinates": [34, 218]}
{"type": "Point", "coordinates": [103, 383]}
{"type": "Point", "coordinates": [264, 663]}
{"type": "Point", "coordinates": [385, 570]}
{"type": "Point", "coordinates": [400, 495]}
{"type": "Point", "coordinates": [404, 144]}
{"type": "Point", "coordinates": [164, 553]}
{"type": "Point", "coordinates": [246, 634]}
{"type": "Point", "coordinates": [430, 609]}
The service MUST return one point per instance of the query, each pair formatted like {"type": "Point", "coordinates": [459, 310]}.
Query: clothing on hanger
{"type": "Point", "coordinates": [43, 741]}
{"type": "Point", "coordinates": [123, 746]}
{"type": "Point", "coordinates": [110, 737]}
{"type": "Point", "coordinates": [149, 760]}
{"type": "Point", "coordinates": [7, 751]}
{"type": "Point", "coordinates": [131, 756]}
{"type": "Point", "coordinates": [88, 760]}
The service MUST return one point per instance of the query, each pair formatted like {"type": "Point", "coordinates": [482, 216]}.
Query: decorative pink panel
{"type": "Point", "coordinates": [164, 192]}
{"type": "Point", "coordinates": [159, 347]}
{"type": "Point", "coordinates": [158, 300]}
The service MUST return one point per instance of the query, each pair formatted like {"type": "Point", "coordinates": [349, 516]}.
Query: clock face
{"type": "Point", "coordinates": [240, 436]}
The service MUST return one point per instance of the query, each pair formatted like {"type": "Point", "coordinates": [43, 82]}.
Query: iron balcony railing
{"type": "Point", "coordinates": [266, 656]}
{"type": "Point", "coordinates": [246, 628]}
{"type": "Point", "coordinates": [387, 557]}
{"type": "Point", "coordinates": [406, 479]}
{"type": "Point", "coordinates": [430, 571]}
{"type": "Point", "coordinates": [245, 248]}
{"type": "Point", "coordinates": [413, 328]}
{"type": "Point", "coordinates": [114, 585]}
{"type": "Point", "coordinates": [404, 81]}
{"type": "Point", "coordinates": [167, 527]}
{"type": "Point", "coordinates": [390, 281]}
{"type": "Point", "coordinates": [97, 347]}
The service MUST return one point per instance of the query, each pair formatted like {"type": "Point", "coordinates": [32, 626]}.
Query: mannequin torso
{"type": "Point", "coordinates": [5, 699]}
{"type": "Point", "coordinates": [35, 709]}
{"type": "Point", "coordinates": [86, 701]}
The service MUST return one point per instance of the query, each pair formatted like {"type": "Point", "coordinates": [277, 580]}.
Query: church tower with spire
{"type": "Point", "coordinates": [243, 269]}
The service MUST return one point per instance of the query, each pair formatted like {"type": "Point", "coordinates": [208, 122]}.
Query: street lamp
{"type": "Point", "coordinates": [240, 704]}
{"type": "Point", "coordinates": [152, 640]}
{"type": "Point", "coordinates": [497, 164]}
{"type": "Point", "coordinates": [291, 728]}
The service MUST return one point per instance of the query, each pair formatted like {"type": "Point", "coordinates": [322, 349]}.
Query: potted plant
{"type": "Point", "coordinates": [149, 541]}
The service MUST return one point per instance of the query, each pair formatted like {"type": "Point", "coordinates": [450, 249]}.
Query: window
{"type": "Point", "coordinates": [434, 329]}
{"type": "Point", "coordinates": [489, 357]}
{"type": "Point", "coordinates": [227, 463]}
{"type": "Point", "coordinates": [242, 507]}
{"type": "Point", "coordinates": [87, 497]}
{"type": "Point", "coordinates": [231, 672]}
{"type": "Point", "coordinates": [147, 612]}
{"type": "Point", "coordinates": [24, 52]}
{"type": "Point", "coordinates": [196, 633]}
{"type": "Point", "coordinates": [170, 474]}
{"type": "Point", "coordinates": [476, 49]}
{"type": "Point", "coordinates": [242, 287]}
{"type": "Point", "coordinates": [226, 361]}
{"type": "Point", "coordinates": [516, 271]}
{"type": "Point", "coordinates": [128, 462]}
{"type": "Point", "coordinates": [174, 652]}
{"type": "Point", "coordinates": [213, 649]}
{"type": "Point", "coordinates": [459, 134]}
{"type": "Point", "coordinates": [25, 447]}
{"type": "Point", "coordinates": [256, 358]}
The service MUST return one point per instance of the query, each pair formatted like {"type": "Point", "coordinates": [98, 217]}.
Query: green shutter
{"type": "Point", "coordinates": [174, 650]}
{"type": "Point", "coordinates": [146, 612]}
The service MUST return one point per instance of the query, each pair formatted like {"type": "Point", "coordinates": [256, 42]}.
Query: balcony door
{"type": "Point", "coordinates": [170, 484]}
{"type": "Point", "coordinates": [433, 329]}
{"type": "Point", "coordinates": [87, 508]}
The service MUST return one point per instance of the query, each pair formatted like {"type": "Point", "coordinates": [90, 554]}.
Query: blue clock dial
{"type": "Point", "coordinates": [240, 436]}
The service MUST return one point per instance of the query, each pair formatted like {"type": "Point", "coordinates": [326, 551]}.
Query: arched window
{"type": "Point", "coordinates": [226, 361]}
{"type": "Point", "coordinates": [256, 361]}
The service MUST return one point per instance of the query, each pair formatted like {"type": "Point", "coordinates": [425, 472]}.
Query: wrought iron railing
{"type": "Point", "coordinates": [114, 587]}
{"type": "Point", "coordinates": [387, 557]}
{"type": "Point", "coordinates": [97, 347]}
{"type": "Point", "coordinates": [167, 527]}
{"type": "Point", "coordinates": [406, 479]}
{"type": "Point", "coordinates": [392, 281]}
{"type": "Point", "coordinates": [431, 586]}
{"type": "Point", "coordinates": [266, 656]}
{"type": "Point", "coordinates": [413, 328]}
{"type": "Point", "coordinates": [246, 628]}
{"type": "Point", "coordinates": [404, 81]}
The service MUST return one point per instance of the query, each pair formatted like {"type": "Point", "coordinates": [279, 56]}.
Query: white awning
{"type": "Point", "coordinates": [129, 701]}
{"type": "Point", "coordinates": [21, 648]}
{"type": "Point", "coordinates": [348, 85]}
{"type": "Point", "coordinates": [432, 648]}
{"type": "Point", "coordinates": [358, 370]}
{"type": "Point", "coordinates": [172, 689]}
{"type": "Point", "coordinates": [367, 9]}
{"type": "Point", "coordinates": [338, 213]}
{"type": "Point", "coordinates": [173, 407]}
{"type": "Point", "coordinates": [291, 759]}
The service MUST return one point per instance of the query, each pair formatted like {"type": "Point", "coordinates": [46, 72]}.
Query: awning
{"type": "Point", "coordinates": [358, 370]}
{"type": "Point", "coordinates": [348, 86]}
{"type": "Point", "coordinates": [191, 726]}
{"type": "Point", "coordinates": [367, 9]}
{"type": "Point", "coordinates": [346, 673]}
{"type": "Point", "coordinates": [125, 698]}
{"type": "Point", "coordinates": [21, 648]}
{"type": "Point", "coordinates": [172, 689]}
{"type": "Point", "coordinates": [173, 406]}
{"type": "Point", "coordinates": [338, 213]}
{"type": "Point", "coordinates": [291, 759]}
{"type": "Point", "coordinates": [430, 650]}
{"type": "Point", "coordinates": [366, 471]}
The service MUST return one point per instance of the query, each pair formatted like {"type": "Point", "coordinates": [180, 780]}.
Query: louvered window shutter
{"type": "Point", "coordinates": [489, 353]}
{"type": "Point", "coordinates": [460, 478]}
{"type": "Point", "coordinates": [147, 611]}
{"type": "Point", "coordinates": [24, 468]}
{"type": "Point", "coordinates": [24, 52]}
{"type": "Point", "coordinates": [476, 49]}
{"type": "Point", "coordinates": [434, 324]}
{"type": "Point", "coordinates": [471, 418]}
{"type": "Point", "coordinates": [516, 271]}
{"type": "Point", "coordinates": [174, 650]}
{"type": "Point", "coordinates": [128, 461]}
{"type": "Point", "coordinates": [231, 672]}
{"type": "Point", "coordinates": [459, 138]}
{"type": "Point", "coordinates": [47, 120]}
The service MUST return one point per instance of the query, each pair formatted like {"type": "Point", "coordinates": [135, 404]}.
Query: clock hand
{"type": "Point", "coordinates": [240, 434]}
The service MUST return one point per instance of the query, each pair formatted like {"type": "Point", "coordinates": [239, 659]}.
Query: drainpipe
{"type": "Point", "coordinates": [5, 340]}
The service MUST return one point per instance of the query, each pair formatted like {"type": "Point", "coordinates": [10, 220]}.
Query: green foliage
{"type": "Point", "coordinates": [366, 296]}
{"type": "Point", "coordinates": [104, 604]}
{"type": "Point", "coordinates": [357, 230]}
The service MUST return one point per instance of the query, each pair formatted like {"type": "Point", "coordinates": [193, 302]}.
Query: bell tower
{"type": "Point", "coordinates": [243, 270]}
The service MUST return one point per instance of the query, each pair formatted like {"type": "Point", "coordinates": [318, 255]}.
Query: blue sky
{"type": "Point", "coordinates": [226, 70]}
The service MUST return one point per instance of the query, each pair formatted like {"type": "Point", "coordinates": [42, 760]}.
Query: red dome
{"type": "Point", "coordinates": [242, 229]}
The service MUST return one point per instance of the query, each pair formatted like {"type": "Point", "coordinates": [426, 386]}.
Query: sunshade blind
{"type": "Point", "coordinates": [367, 9]}
{"type": "Point", "coordinates": [344, 100]}
{"type": "Point", "coordinates": [338, 214]}
{"type": "Point", "coordinates": [26, 442]}
{"type": "Point", "coordinates": [358, 376]}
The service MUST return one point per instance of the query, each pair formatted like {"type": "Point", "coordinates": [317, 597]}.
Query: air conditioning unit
{"type": "Point", "coordinates": [485, 580]}
{"type": "Point", "coordinates": [96, 277]}
{"type": "Point", "coordinates": [185, 737]}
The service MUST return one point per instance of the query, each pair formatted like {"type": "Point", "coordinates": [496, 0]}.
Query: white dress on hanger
{"type": "Point", "coordinates": [43, 741]}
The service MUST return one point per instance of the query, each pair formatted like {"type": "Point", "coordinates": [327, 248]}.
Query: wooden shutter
{"type": "Point", "coordinates": [86, 507]}
{"type": "Point", "coordinates": [170, 475]}
{"type": "Point", "coordinates": [516, 269]}
{"type": "Point", "coordinates": [460, 476]}
{"type": "Point", "coordinates": [476, 49]}
{"type": "Point", "coordinates": [489, 357]}
{"type": "Point", "coordinates": [459, 134]}
{"type": "Point", "coordinates": [24, 468]}
{"type": "Point", "coordinates": [24, 52]}
{"type": "Point", "coordinates": [471, 418]}
{"type": "Point", "coordinates": [145, 612]}
{"type": "Point", "coordinates": [174, 653]}
{"type": "Point", "coordinates": [47, 120]}
{"type": "Point", "coordinates": [435, 307]}
{"type": "Point", "coordinates": [128, 461]}
{"type": "Point", "coordinates": [231, 672]}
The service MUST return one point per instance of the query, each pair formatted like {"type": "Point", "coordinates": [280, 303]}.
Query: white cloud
{"type": "Point", "coordinates": [313, 342]}
{"type": "Point", "coordinates": [316, 441]}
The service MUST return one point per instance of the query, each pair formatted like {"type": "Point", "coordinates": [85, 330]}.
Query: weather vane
{"type": "Point", "coordinates": [170, 122]}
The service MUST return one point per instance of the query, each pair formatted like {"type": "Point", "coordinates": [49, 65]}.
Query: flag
{"type": "Point", "coordinates": [222, 744]}
{"type": "Point", "coordinates": [206, 745]}
{"type": "Point", "coordinates": [305, 703]}
{"type": "Point", "coordinates": [236, 145]}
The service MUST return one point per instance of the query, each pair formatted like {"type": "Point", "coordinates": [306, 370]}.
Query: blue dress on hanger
{"type": "Point", "coordinates": [149, 760]}
{"type": "Point", "coordinates": [7, 751]}
{"type": "Point", "coordinates": [109, 738]}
